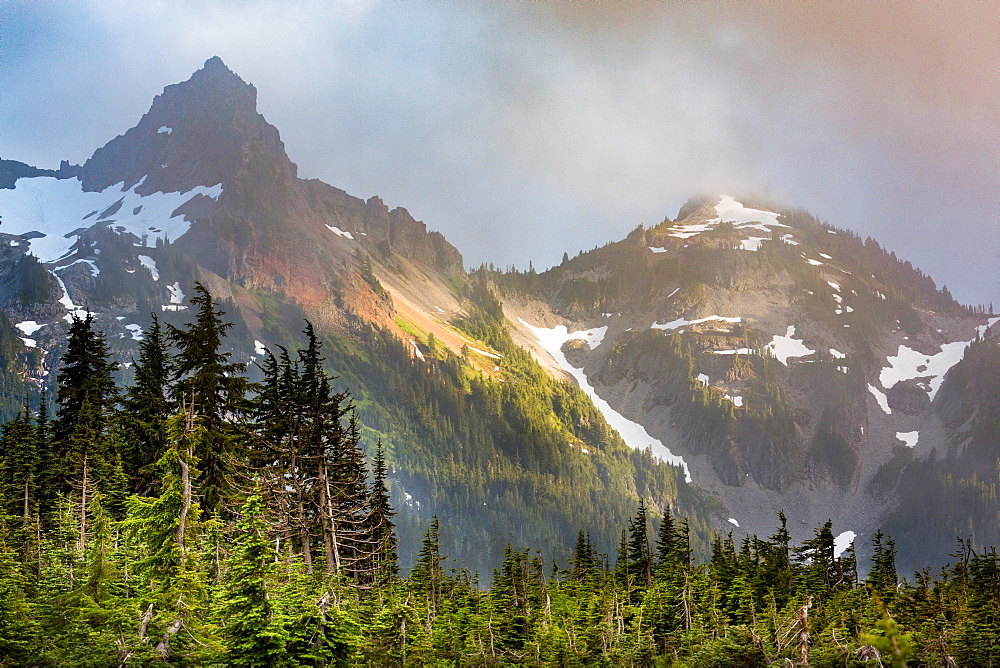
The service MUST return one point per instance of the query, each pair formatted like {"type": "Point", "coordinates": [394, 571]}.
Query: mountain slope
{"type": "Point", "coordinates": [201, 189]}
{"type": "Point", "coordinates": [787, 362]}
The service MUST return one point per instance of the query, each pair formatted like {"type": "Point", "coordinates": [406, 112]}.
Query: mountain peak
{"type": "Point", "coordinates": [196, 133]}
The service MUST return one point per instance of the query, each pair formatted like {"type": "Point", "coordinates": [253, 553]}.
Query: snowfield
{"type": "Point", "coordinates": [785, 347]}
{"type": "Point", "coordinates": [883, 401]}
{"type": "Point", "coordinates": [842, 542]}
{"type": "Point", "coordinates": [908, 364]}
{"type": "Point", "coordinates": [909, 438]}
{"type": "Point", "coordinates": [59, 209]}
{"type": "Point", "coordinates": [633, 433]}
{"type": "Point", "coordinates": [683, 322]}
{"type": "Point", "coordinates": [339, 232]}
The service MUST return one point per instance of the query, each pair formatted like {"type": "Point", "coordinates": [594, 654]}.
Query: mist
{"type": "Point", "coordinates": [523, 130]}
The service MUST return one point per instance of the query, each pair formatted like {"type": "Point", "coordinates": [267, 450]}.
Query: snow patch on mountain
{"type": "Point", "coordinates": [592, 337]}
{"type": "Point", "coordinates": [150, 264]}
{"type": "Point", "coordinates": [785, 347]}
{"type": "Point", "coordinates": [683, 322]}
{"type": "Point", "coordinates": [908, 364]}
{"type": "Point", "coordinates": [841, 542]}
{"type": "Point", "coordinates": [880, 398]}
{"type": "Point", "coordinates": [339, 232]}
{"type": "Point", "coordinates": [633, 433]}
{"type": "Point", "coordinates": [909, 438]}
{"type": "Point", "coordinates": [29, 327]}
{"type": "Point", "coordinates": [59, 209]}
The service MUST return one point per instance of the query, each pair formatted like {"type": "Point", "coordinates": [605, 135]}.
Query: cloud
{"type": "Point", "coordinates": [522, 130]}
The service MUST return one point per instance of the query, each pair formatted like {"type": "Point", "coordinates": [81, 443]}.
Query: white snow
{"type": "Point", "coordinates": [981, 330]}
{"type": "Point", "coordinates": [908, 364]}
{"type": "Point", "coordinates": [136, 331]}
{"type": "Point", "coordinates": [29, 327]}
{"type": "Point", "coordinates": [67, 302]}
{"type": "Point", "coordinates": [90, 263]}
{"type": "Point", "coordinates": [733, 522]}
{"type": "Point", "coordinates": [833, 285]}
{"type": "Point", "coordinates": [909, 438]}
{"type": "Point", "coordinates": [593, 337]}
{"type": "Point", "coordinates": [163, 129]}
{"type": "Point", "coordinates": [483, 352]}
{"type": "Point", "coordinates": [738, 351]}
{"type": "Point", "coordinates": [830, 232]}
{"type": "Point", "coordinates": [785, 347]}
{"type": "Point", "coordinates": [737, 400]}
{"type": "Point", "coordinates": [259, 348]}
{"type": "Point", "coordinates": [657, 249]}
{"type": "Point", "coordinates": [826, 256]}
{"type": "Point", "coordinates": [676, 290]}
{"type": "Point", "coordinates": [880, 397]}
{"type": "Point", "coordinates": [176, 298]}
{"type": "Point", "coordinates": [339, 232]}
{"type": "Point", "coordinates": [815, 263]}
{"type": "Point", "coordinates": [752, 244]}
{"type": "Point", "coordinates": [176, 295]}
{"type": "Point", "coordinates": [837, 354]}
{"type": "Point", "coordinates": [59, 208]}
{"type": "Point", "coordinates": [682, 322]}
{"type": "Point", "coordinates": [28, 343]}
{"type": "Point", "coordinates": [842, 542]}
{"type": "Point", "coordinates": [149, 263]}
{"type": "Point", "coordinates": [416, 349]}
{"type": "Point", "coordinates": [731, 211]}
{"type": "Point", "coordinates": [633, 433]}
{"type": "Point", "coordinates": [787, 238]}
{"type": "Point", "coordinates": [703, 379]}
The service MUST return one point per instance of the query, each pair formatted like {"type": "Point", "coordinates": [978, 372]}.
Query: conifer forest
{"type": "Point", "coordinates": [194, 516]}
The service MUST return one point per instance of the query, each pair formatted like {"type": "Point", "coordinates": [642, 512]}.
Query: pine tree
{"type": "Point", "coordinates": [145, 410]}
{"type": "Point", "coordinates": [19, 463]}
{"type": "Point", "coordinates": [426, 576]}
{"type": "Point", "coordinates": [253, 634]}
{"type": "Point", "coordinates": [381, 527]}
{"type": "Point", "coordinates": [205, 376]}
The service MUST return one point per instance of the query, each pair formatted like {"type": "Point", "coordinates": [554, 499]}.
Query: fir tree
{"type": "Point", "coordinates": [145, 410]}
{"type": "Point", "coordinates": [381, 527]}
{"type": "Point", "coordinates": [254, 636]}
{"type": "Point", "coordinates": [205, 376]}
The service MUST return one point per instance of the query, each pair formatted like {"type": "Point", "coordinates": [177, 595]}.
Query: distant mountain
{"type": "Point", "coordinates": [791, 365]}
{"type": "Point", "coordinates": [777, 362]}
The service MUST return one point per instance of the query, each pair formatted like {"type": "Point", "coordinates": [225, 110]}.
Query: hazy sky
{"type": "Point", "coordinates": [524, 129]}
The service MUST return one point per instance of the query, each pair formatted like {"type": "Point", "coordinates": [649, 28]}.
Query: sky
{"type": "Point", "coordinates": [522, 130]}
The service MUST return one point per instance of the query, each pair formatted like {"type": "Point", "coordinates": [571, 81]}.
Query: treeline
{"type": "Point", "coordinates": [196, 518]}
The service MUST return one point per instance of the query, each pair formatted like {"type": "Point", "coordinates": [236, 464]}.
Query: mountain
{"type": "Point", "coordinates": [772, 361]}
{"type": "Point", "coordinates": [201, 189]}
{"type": "Point", "coordinates": [791, 365]}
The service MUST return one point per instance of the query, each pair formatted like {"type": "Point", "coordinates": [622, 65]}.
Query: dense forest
{"type": "Point", "coordinates": [197, 518]}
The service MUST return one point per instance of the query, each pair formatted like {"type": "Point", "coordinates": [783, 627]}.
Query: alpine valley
{"type": "Point", "coordinates": [737, 361]}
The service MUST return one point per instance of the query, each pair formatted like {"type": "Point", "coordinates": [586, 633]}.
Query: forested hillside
{"type": "Point", "coordinates": [196, 518]}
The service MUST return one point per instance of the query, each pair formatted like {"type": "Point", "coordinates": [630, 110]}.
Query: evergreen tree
{"type": "Point", "coordinates": [145, 410]}
{"type": "Point", "coordinates": [205, 377]}
{"type": "Point", "coordinates": [19, 463]}
{"type": "Point", "coordinates": [84, 460]}
{"type": "Point", "coordinates": [253, 634]}
{"type": "Point", "coordinates": [381, 527]}
{"type": "Point", "coordinates": [427, 576]}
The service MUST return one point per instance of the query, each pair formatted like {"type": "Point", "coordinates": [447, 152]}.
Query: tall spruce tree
{"type": "Point", "coordinates": [84, 460]}
{"type": "Point", "coordinates": [380, 524]}
{"type": "Point", "coordinates": [205, 377]}
{"type": "Point", "coordinates": [145, 409]}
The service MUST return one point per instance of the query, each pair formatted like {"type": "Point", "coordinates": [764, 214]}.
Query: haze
{"type": "Point", "coordinates": [523, 130]}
